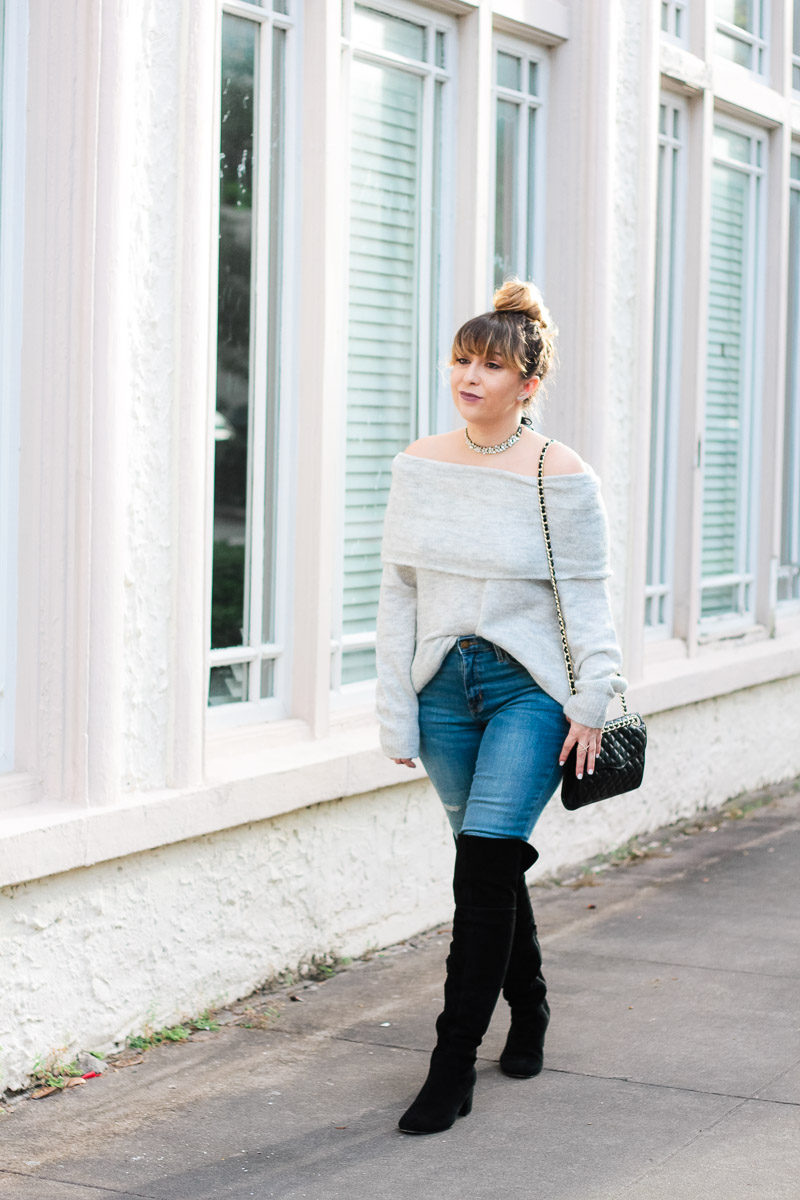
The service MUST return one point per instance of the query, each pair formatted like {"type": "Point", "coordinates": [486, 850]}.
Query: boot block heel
{"type": "Point", "coordinates": [443, 1098]}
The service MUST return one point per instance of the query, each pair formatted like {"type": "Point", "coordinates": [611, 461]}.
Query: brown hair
{"type": "Point", "coordinates": [520, 331]}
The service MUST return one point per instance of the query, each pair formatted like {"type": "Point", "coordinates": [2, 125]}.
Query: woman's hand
{"type": "Point", "coordinates": [588, 742]}
{"type": "Point", "coordinates": [404, 762]}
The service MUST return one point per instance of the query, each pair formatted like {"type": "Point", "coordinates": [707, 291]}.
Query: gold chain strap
{"type": "Point", "coordinates": [549, 549]}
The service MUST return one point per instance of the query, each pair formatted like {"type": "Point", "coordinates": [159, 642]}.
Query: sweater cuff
{"type": "Point", "coordinates": [590, 705]}
{"type": "Point", "coordinates": [397, 744]}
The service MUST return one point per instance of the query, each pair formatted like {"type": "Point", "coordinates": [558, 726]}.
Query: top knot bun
{"type": "Point", "coordinates": [520, 331]}
{"type": "Point", "coordinates": [515, 295]}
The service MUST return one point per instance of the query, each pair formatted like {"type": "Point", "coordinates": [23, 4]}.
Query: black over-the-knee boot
{"type": "Point", "coordinates": [525, 990]}
{"type": "Point", "coordinates": [485, 881]}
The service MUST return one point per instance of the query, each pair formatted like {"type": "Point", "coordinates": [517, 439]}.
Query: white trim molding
{"type": "Point", "coordinates": [13, 80]}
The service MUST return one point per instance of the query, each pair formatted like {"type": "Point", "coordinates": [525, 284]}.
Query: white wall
{"type": "Point", "coordinates": [94, 955]}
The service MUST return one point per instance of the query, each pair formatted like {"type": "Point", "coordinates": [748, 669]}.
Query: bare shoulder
{"type": "Point", "coordinates": [561, 460]}
{"type": "Point", "coordinates": [437, 445]}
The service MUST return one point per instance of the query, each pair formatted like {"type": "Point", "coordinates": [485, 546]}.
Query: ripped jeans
{"type": "Point", "coordinates": [489, 740]}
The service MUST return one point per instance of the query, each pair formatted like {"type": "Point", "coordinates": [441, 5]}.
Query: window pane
{"type": "Point", "coordinates": [729, 144]}
{"type": "Point", "coordinates": [666, 371]}
{"type": "Point", "coordinates": [737, 51]}
{"type": "Point", "coordinates": [440, 49]}
{"type": "Point", "coordinates": [376, 31]}
{"type": "Point", "coordinates": [533, 78]}
{"type": "Point", "coordinates": [267, 678]}
{"type": "Point", "coordinates": [234, 383]}
{"type": "Point", "coordinates": [506, 163]}
{"type": "Point", "coordinates": [530, 209]}
{"type": "Point", "coordinates": [737, 12]}
{"type": "Point", "coordinates": [509, 71]}
{"type": "Point", "coordinates": [382, 364]}
{"type": "Point", "coordinates": [358, 665]}
{"type": "Point", "coordinates": [252, 157]}
{"type": "Point", "coordinates": [436, 380]}
{"type": "Point", "coordinates": [789, 568]}
{"type": "Point", "coordinates": [796, 28]}
{"type": "Point", "coordinates": [273, 331]}
{"type": "Point", "coordinates": [228, 685]}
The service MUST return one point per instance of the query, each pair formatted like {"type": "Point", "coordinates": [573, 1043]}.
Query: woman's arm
{"type": "Point", "coordinates": [596, 656]}
{"type": "Point", "coordinates": [396, 700]}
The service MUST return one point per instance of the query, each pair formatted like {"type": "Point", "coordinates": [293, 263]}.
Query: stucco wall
{"type": "Point", "coordinates": [94, 955]}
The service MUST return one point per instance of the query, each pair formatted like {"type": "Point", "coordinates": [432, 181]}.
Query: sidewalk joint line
{"type": "Point", "coordinates": [670, 1087]}
{"type": "Point", "coordinates": [682, 966]}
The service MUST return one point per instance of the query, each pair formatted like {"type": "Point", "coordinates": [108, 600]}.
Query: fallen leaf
{"type": "Point", "coordinates": [129, 1060]}
{"type": "Point", "coordinates": [76, 1081]}
{"type": "Point", "coordinates": [43, 1091]}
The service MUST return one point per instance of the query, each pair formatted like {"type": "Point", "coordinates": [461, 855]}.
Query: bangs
{"type": "Point", "coordinates": [492, 335]}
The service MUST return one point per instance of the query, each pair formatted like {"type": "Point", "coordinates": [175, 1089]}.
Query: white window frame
{"type": "Point", "coordinates": [529, 106]}
{"type": "Point", "coordinates": [667, 358]}
{"type": "Point", "coordinates": [13, 73]}
{"type": "Point", "coordinates": [675, 20]}
{"type": "Point", "coordinates": [757, 42]}
{"type": "Point", "coordinates": [432, 409]}
{"type": "Point", "coordinates": [789, 571]}
{"type": "Point", "coordinates": [746, 579]}
{"type": "Point", "coordinates": [252, 657]}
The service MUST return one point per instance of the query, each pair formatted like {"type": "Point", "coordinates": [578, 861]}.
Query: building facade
{"type": "Point", "coordinates": [235, 240]}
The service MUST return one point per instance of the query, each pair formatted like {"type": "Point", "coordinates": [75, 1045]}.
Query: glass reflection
{"type": "Point", "coordinates": [230, 568]}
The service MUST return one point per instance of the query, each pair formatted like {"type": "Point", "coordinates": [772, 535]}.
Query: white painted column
{"type": "Point", "coordinates": [110, 164]}
{"type": "Point", "coordinates": [320, 349]}
{"type": "Point", "coordinates": [107, 649]}
{"type": "Point", "coordinates": [194, 404]}
{"type": "Point", "coordinates": [775, 225]}
{"type": "Point", "coordinates": [13, 68]}
{"type": "Point", "coordinates": [474, 166]}
{"type": "Point", "coordinates": [580, 201]}
{"type": "Point", "coordinates": [689, 500]}
{"type": "Point", "coordinates": [639, 399]}
{"type": "Point", "coordinates": [57, 389]}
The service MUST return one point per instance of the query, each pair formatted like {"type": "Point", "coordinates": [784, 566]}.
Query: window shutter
{"type": "Point", "coordinates": [382, 369]}
{"type": "Point", "coordinates": [725, 535]}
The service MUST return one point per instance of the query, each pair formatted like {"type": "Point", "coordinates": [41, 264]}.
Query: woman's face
{"type": "Point", "coordinates": [486, 389]}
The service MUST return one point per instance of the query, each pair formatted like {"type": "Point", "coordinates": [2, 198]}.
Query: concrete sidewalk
{"type": "Point", "coordinates": [672, 1067]}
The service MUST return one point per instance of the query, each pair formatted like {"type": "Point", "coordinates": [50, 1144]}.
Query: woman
{"type": "Point", "coordinates": [471, 673]}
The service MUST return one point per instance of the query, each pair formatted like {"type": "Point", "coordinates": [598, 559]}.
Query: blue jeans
{"type": "Point", "coordinates": [489, 740]}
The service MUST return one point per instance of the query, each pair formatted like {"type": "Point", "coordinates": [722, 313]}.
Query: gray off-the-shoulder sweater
{"type": "Point", "coordinates": [463, 553]}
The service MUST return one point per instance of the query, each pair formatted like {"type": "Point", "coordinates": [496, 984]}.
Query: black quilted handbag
{"type": "Point", "coordinates": [619, 766]}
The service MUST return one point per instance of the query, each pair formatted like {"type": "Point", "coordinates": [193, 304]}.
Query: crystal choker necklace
{"type": "Point", "coordinates": [499, 448]}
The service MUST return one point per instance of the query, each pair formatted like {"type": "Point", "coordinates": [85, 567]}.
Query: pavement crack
{"type": "Point", "coordinates": [689, 1141]}
{"type": "Point", "coordinates": [780, 1075]}
{"type": "Point", "coordinates": [753, 1098]}
{"type": "Point", "coordinates": [101, 1189]}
